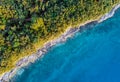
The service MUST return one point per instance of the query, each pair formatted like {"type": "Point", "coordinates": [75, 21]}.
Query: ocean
{"type": "Point", "coordinates": [91, 55]}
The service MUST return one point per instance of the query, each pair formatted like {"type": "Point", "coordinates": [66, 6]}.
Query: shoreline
{"type": "Point", "coordinates": [109, 14]}
{"type": "Point", "coordinates": [39, 53]}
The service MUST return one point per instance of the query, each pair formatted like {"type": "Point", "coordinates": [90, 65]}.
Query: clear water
{"type": "Point", "coordinates": [92, 55]}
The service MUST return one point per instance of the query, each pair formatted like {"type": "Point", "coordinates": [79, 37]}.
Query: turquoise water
{"type": "Point", "coordinates": [91, 55]}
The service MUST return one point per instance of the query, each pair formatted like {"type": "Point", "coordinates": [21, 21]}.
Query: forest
{"type": "Point", "coordinates": [25, 25]}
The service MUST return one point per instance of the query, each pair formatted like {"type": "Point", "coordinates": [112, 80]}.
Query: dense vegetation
{"type": "Point", "coordinates": [25, 25]}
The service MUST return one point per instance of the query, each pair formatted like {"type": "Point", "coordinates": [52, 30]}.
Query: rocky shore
{"type": "Point", "coordinates": [68, 33]}
{"type": "Point", "coordinates": [109, 14]}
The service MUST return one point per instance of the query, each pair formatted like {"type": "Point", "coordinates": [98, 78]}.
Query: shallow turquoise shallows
{"type": "Point", "coordinates": [91, 55]}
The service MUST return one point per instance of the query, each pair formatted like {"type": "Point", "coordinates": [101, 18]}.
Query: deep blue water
{"type": "Point", "coordinates": [91, 55]}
